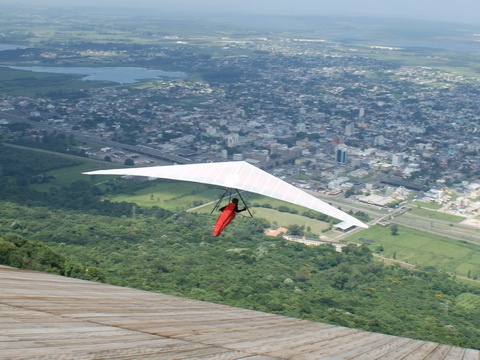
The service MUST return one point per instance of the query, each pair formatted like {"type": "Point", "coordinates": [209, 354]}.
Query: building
{"type": "Point", "coordinates": [379, 140]}
{"type": "Point", "coordinates": [350, 129]}
{"type": "Point", "coordinates": [233, 140]}
{"type": "Point", "coordinates": [341, 155]}
{"type": "Point", "coordinates": [361, 112]}
{"type": "Point", "coordinates": [397, 160]}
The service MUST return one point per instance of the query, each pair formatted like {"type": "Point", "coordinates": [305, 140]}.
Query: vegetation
{"type": "Point", "coordinates": [21, 82]}
{"type": "Point", "coordinates": [19, 252]}
{"type": "Point", "coordinates": [436, 215]}
{"type": "Point", "coordinates": [416, 247]}
{"type": "Point", "coordinates": [426, 205]}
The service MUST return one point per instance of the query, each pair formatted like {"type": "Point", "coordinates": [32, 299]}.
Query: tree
{"type": "Point", "coordinates": [349, 192]}
{"type": "Point", "coordinates": [394, 229]}
{"type": "Point", "coordinates": [296, 230]}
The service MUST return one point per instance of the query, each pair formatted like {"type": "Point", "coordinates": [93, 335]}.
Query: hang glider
{"type": "Point", "coordinates": [238, 175]}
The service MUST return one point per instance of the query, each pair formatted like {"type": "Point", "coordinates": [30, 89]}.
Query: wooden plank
{"type": "Point", "coordinates": [52, 317]}
{"type": "Point", "coordinates": [372, 348]}
{"type": "Point", "coordinates": [336, 347]}
{"type": "Point", "coordinates": [422, 351]}
{"type": "Point", "coordinates": [471, 355]}
{"type": "Point", "coordinates": [440, 352]}
{"type": "Point", "coordinates": [455, 353]}
{"type": "Point", "coordinates": [287, 347]}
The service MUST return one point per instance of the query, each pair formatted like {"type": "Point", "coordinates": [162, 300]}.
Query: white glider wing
{"type": "Point", "coordinates": [237, 175]}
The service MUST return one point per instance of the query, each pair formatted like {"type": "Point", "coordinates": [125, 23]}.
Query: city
{"type": "Point", "coordinates": [312, 111]}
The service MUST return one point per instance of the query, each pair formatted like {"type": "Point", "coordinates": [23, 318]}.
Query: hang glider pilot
{"type": "Point", "coordinates": [233, 206]}
{"type": "Point", "coordinates": [228, 214]}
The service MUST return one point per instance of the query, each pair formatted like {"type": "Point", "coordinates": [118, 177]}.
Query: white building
{"type": "Point", "coordinates": [379, 140]}
{"type": "Point", "coordinates": [397, 160]}
{"type": "Point", "coordinates": [350, 129]}
{"type": "Point", "coordinates": [233, 140]}
{"type": "Point", "coordinates": [361, 112]}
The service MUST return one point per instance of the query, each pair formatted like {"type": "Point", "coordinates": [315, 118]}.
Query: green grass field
{"type": "Point", "coordinates": [65, 176]}
{"type": "Point", "coordinates": [422, 248]}
{"type": "Point", "coordinates": [173, 195]}
{"type": "Point", "coordinates": [280, 219]}
{"type": "Point", "coordinates": [184, 193]}
{"type": "Point", "coordinates": [426, 205]}
{"type": "Point", "coordinates": [285, 219]}
{"type": "Point", "coordinates": [431, 214]}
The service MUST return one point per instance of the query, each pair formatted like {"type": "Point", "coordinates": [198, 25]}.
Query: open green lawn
{"type": "Point", "coordinates": [173, 195]}
{"type": "Point", "coordinates": [436, 215]}
{"type": "Point", "coordinates": [185, 193]}
{"type": "Point", "coordinates": [61, 177]}
{"type": "Point", "coordinates": [285, 219]}
{"type": "Point", "coordinates": [426, 205]}
{"type": "Point", "coordinates": [65, 176]}
{"type": "Point", "coordinates": [422, 248]}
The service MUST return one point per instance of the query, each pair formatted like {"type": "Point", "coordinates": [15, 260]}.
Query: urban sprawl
{"type": "Point", "coordinates": [313, 112]}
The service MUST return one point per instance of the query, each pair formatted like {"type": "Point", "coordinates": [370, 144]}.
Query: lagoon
{"type": "Point", "coordinates": [120, 75]}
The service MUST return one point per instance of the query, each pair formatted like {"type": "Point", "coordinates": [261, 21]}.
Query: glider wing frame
{"type": "Point", "coordinates": [230, 193]}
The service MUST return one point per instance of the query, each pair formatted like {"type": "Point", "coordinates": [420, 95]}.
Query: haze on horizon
{"type": "Point", "coordinates": [460, 11]}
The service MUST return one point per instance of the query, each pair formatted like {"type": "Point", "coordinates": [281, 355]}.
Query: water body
{"type": "Point", "coordinates": [122, 75]}
{"type": "Point", "coordinates": [10, 47]}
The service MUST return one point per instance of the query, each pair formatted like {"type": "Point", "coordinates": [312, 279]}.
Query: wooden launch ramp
{"type": "Point", "coordinates": [45, 316]}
